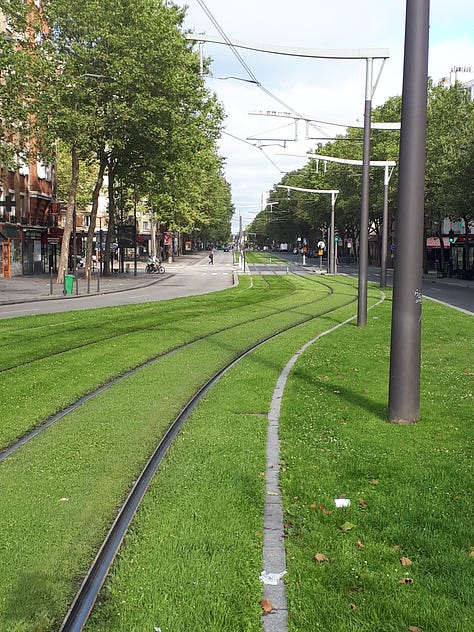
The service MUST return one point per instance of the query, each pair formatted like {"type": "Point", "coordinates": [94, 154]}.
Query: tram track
{"type": "Point", "coordinates": [134, 328]}
{"type": "Point", "coordinates": [298, 319]}
{"type": "Point", "coordinates": [85, 599]}
{"type": "Point", "coordinates": [41, 427]}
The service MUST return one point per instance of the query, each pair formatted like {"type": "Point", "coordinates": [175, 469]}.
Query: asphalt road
{"type": "Point", "coordinates": [456, 293]}
{"type": "Point", "coordinates": [194, 275]}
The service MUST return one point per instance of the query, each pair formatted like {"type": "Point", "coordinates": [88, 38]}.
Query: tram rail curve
{"type": "Point", "coordinates": [84, 601]}
{"type": "Point", "coordinates": [38, 429]}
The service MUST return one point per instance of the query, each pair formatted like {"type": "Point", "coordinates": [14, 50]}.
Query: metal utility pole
{"type": "Point", "coordinates": [364, 205]}
{"type": "Point", "coordinates": [405, 354]}
{"type": "Point", "coordinates": [334, 193]}
{"type": "Point", "coordinates": [384, 252]}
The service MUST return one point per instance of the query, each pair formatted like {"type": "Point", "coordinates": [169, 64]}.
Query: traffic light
{"type": "Point", "coordinates": [451, 236]}
{"type": "Point", "coordinates": [336, 238]}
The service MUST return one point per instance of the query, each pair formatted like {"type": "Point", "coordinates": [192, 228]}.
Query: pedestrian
{"type": "Point", "coordinates": [211, 258]}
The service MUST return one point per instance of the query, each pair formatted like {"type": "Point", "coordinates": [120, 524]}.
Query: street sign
{"type": "Point", "coordinates": [321, 245]}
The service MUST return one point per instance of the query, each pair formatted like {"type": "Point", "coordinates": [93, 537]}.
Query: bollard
{"type": "Point", "coordinates": [51, 281]}
{"type": "Point", "coordinates": [88, 280]}
{"type": "Point", "coordinates": [287, 270]}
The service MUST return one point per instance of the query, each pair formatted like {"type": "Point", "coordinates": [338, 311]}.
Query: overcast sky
{"type": "Point", "coordinates": [326, 90]}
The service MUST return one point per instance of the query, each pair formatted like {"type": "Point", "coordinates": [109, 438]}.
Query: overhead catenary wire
{"type": "Point", "coordinates": [243, 62]}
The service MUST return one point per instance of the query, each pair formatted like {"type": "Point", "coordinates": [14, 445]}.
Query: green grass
{"type": "Point", "coordinates": [192, 559]}
{"type": "Point", "coordinates": [409, 486]}
{"type": "Point", "coordinates": [59, 493]}
{"type": "Point", "coordinates": [256, 256]}
{"type": "Point", "coordinates": [194, 553]}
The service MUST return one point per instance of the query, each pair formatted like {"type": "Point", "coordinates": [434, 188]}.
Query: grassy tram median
{"type": "Point", "coordinates": [193, 556]}
{"type": "Point", "coordinates": [60, 491]}
{"type": "Point", "coordinates": [404, 558]}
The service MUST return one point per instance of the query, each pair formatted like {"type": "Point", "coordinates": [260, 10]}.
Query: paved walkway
{"type": "Point", "coordinates": [23, 289]}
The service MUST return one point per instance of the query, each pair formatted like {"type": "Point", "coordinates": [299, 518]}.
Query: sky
{"type": "Point", "coordinates": [325, 90]}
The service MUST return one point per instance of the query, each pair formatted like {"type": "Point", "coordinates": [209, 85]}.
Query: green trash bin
{"type": "Point", "coordinates": [68, 283]}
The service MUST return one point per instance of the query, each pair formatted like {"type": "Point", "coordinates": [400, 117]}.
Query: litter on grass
{"type": "Point", "coordinates": [271, 579]}
{"type": "Point", "coordinates": [342, 502]}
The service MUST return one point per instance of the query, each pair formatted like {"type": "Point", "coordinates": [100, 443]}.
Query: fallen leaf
{"type": "Point", "coordinates": [414, 628]}
{"type": "Point", "coordinates": [360, 545]}
{"type": "Point", "coordinates": [353, 606]}
{"type": "Point", "coordinates": [396, 547]}
{"type": "Point", "coordinates": [362, 503]}
{"type": "Point", "coordinates": [266, 606]}
{"type": "Point", "coordinates": [374, 481]}
{"type": "Point", "coordinates": [347, 526]}
{"type": "Point", "coordinates": [406, 580]}
{"type": "Point", "coordinates": [320, 557]}
{"type": "Point", "coordinates": [328, 512]}
{"type": "Point", "coordinates": [472, 551]}
{"type": "Point", "coordinates": [314, 506]}
{"type": "Point", "coordinates": [366, 390]}
{"type": "Point", "coordinates": [405, 561]}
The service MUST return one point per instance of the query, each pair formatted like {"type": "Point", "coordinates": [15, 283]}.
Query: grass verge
{"type": "Point", "coordinates": [404, 556]}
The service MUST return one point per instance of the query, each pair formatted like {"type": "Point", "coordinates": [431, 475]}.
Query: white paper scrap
{"type": "Point", "coordinates": [342, 502]}
{"type": "Point", "coordinates": [271, 579]}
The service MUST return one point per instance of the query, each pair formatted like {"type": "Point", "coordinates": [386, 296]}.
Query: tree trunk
{"type": "Point", "coordinates": [63, 260]}
{"type": "Point", "coordinates": [95, 205]}
{"type": "Point", "coordinates": [108, 262]}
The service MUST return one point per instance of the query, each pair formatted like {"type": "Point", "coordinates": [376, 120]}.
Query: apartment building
{"type": "Point", "coordinates": [28, 209]}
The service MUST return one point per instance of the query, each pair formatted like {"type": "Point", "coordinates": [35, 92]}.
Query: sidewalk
{"type": "Point", "coordinates": [42, 287]}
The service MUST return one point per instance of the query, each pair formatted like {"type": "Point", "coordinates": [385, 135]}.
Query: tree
{"type": "Point", "coordinates": [449, 191]}
{"type": "Point", "coordinates": [129, 94]}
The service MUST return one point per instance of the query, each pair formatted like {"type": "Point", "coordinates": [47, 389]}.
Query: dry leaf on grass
{"type": "Point", "coordinates": [374, 481]}
{"type": "Point", "coordinates": [414, 628]}
{"type": "Point", "coordinates": [406, 580]}
{"type": "Point", "coordinates": [266, 606]}
{"type": "Point", "coordinates": [362, 503]}
{"type": "Point", "coordinates": [405, 561]}
{"type": "Point", "coordinates": [360, 545]}
{"type": "Point", "coordinates": [320, 557]}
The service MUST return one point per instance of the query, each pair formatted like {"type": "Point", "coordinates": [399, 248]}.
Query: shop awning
{"type": "Point", "coordinates": [433, 242]}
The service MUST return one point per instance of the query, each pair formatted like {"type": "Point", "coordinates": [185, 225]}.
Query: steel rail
{"type": "Point", "coordinates": [31, 434]}
{"type": "Point", "coordinates": [86, 597]}
{"type": "Point", "coordinates": [133, 329]}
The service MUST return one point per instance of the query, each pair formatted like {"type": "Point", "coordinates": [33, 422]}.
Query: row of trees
{"type": "Point", "coordinates": [118, 87]}
{"type": "Point", "coordinates": [449, 185]}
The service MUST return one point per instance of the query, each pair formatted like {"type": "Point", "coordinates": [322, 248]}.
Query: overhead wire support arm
{"type": "Point", "coordinates": [321, 53]}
